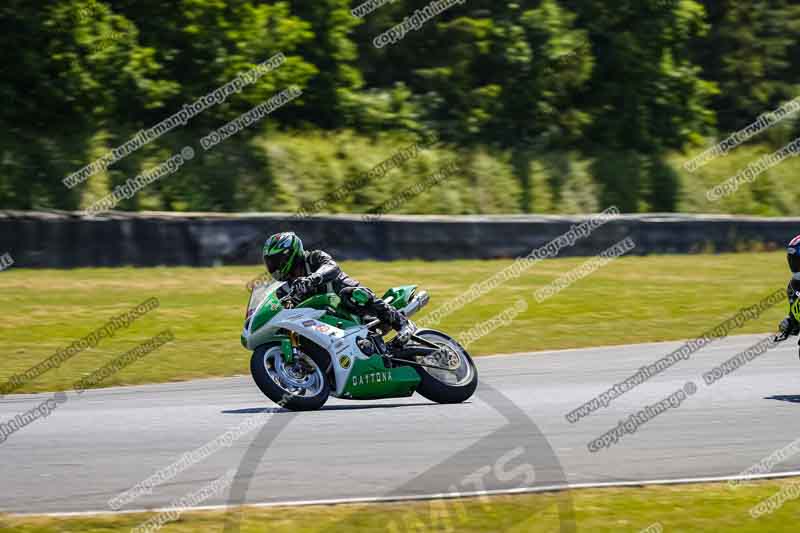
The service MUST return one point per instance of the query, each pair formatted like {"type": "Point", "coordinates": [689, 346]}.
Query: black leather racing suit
{"type": "Point", "coordinates": [327, 276]}
{"type": "Point", "coordinates": [792, 291]}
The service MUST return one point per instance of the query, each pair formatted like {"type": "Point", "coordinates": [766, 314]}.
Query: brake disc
{"type": "Point", "coordinates": [289, 375]}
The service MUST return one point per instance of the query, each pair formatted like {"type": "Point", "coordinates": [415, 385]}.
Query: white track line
{"type": "Point", "coordinates": [423, 497]}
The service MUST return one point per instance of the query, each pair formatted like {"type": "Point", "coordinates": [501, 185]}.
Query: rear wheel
{"type": "Point", "coordinates": [454, 385]}
{"type": "Point", "coordinates": [300, 386]}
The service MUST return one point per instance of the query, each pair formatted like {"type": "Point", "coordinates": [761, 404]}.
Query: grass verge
{"type": "Point", "coordinates": [706, 507]}
{"type": "Point", "coordinates": [633, 299]}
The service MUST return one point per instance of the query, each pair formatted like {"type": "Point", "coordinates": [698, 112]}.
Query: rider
{"type": "Point", "coordinates": [315, 272]}
{"type": "Point", "coordinates": [790, 325]}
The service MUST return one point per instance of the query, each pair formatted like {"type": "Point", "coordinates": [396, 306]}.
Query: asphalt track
{"type": "Point", "coordinates": [103, 442]}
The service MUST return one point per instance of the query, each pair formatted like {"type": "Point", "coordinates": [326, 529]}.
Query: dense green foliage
{"type": "Point", "coordinates": [547, 105]}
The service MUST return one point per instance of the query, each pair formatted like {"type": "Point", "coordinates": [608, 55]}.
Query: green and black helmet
{"type": "Point", "coordinates": [793, 254]}
{"type": "Point", "coordinates": [281, 252]}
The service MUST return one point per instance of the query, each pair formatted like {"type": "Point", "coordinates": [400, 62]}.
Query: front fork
{"type": "Point", "coordinates": [289, 347]}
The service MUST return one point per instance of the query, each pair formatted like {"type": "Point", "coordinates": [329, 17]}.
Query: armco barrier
{"type": "Point", "coordinates": [68, 240]}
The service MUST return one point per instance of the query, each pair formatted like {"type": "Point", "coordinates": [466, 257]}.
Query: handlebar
{"type": "Point", "coordinates": [288, 301]}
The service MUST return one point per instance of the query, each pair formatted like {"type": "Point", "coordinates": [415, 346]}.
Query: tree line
{"type": "Point", "coordinates": [550, 106]}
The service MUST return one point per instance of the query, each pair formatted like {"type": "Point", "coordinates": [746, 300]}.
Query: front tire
{"type": "Point", "coordinates": [298, 387]}
{"type": "Point", "coordinates": [442, 386]}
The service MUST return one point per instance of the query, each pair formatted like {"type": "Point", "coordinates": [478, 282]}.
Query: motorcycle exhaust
{"type": "Point", "coordinates": [419, 301]}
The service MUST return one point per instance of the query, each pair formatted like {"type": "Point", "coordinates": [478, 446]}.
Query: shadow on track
{"type": "Point", "coordinates": [793, 398]}
{"type": "Point", "coordinates": [520, 441]}
{"type": "Point", "coordinates": [257, 410]}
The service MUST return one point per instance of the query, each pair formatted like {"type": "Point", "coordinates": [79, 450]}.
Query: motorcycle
{"type": "Point", "coordinates": [304, 352]}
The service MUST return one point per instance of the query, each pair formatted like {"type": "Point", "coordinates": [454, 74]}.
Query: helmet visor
{"type": "Point", "coordinates": [275, 264]}
{"type": "Point", "coordinates": [794, 260]}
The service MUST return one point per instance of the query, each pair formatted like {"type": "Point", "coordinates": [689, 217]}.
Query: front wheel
{"type": "Point", "coordinates": [454, 385]}
{"type": "Point", "coordinates": [300, 386]}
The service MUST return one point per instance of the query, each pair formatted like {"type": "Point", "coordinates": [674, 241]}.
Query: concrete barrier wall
{"type": "Point", "coordinates": [68, 240]}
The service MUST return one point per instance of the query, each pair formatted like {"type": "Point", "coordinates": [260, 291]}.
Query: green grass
{"type": "Point", "coordinates": [634, 299]}
{"type": "Point", "coordinates": [708, 508]}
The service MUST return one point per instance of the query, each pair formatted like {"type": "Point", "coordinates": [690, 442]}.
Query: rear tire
{"type": "Point", "coordinates": [435, 389]}
{"type": "Point", "coordinates": [262, 368]}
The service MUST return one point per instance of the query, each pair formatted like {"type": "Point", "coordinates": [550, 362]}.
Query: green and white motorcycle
{"type": "Point", "coordinates": [306, 352]}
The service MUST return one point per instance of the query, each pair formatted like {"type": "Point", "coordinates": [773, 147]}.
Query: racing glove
{"type": "Point", "coordinates": [302, 288]}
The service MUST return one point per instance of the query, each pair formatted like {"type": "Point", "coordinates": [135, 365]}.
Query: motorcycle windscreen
{"type": "Point", "coordinates": [260, 292]}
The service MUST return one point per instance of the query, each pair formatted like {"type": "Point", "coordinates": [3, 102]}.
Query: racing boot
{"type": "Point", "coordinates": [404, 328]}
{"type": "Point", "coordinates": [404, 332]}
{"type": "Point", "coordinates": [788, 328]}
